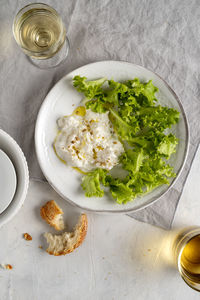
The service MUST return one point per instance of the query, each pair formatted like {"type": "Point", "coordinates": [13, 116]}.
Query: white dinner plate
{"type": "Point", "coordinates": [15, 154]}
{"type": "Point", "coordinates": [8, 181]}
{"type": "Point", "coordinates": [62, 100]}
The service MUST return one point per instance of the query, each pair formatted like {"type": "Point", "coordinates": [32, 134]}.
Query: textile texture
{"type": "Point", "coordinates": [160, 35]}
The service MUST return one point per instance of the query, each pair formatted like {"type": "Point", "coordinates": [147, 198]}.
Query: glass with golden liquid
{"type": "Point", "coordinates": [186, 248]}
{"type": "Point", "coordinates": [39, 31]}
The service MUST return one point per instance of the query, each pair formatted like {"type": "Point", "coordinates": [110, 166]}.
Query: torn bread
{"type": "Point", "coordinates": [68, 241]}
{"type": "Point", "coordinates": [53, 215]}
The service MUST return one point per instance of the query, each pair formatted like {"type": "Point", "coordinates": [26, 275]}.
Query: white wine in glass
{"type": "Point", "coordinates": [186, 248]}
{"type": "Point", "coordinates": [39, 31]}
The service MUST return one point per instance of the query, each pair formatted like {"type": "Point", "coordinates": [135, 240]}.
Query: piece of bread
{"type": "Point", "coordinates": [7, 267]}
{"type": "Point", "coordinates": [53, 215]}
{"type": "Point", "coordinates": [27, 237]}
{"type": "Point", "coordinates": [68, 241]}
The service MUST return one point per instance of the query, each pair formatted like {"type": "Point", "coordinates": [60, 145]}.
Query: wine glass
{"type": "Point", "coordinates": [39, 31]}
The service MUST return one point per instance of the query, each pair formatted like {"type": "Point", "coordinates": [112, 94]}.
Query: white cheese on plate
{"type": "Point", "coordinates": [88, 142]}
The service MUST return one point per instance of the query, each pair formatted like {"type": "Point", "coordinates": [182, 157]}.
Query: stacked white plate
{"type": "Point", "coordinates": [14, 177]}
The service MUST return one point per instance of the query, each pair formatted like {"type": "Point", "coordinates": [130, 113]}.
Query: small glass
{"type": "Point", "coordinates": [38, 29]}
{"type": "Point", "coordinates": [186, 249]}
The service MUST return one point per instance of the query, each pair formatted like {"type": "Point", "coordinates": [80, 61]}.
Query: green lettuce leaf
{"type": "Point", "coordinates": [91, 89]}
{"type": "Point", "coordinates": [145, 92]}
{"type": "Point", "coordinates": [91, 183]}
{"type": "Point", "coordinates": [122, 128]}
{"type": "Point", "coordinates": [115, 92]}
{"type": "Point", "coordinates": [97, 106]}
{"type": "Point", "coordinates": [121, 192]}
{"type": "Point", "coordinates": [158, 117]}
{"type": "Point", "coordinates": [132, 159]}
{"type": "Point", "coordinates": [168, 145]}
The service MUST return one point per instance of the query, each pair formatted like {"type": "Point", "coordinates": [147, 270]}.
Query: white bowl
{"type": "Point", "coordinates": [14, 152]}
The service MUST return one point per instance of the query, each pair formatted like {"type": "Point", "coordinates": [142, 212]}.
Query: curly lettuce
{"type": "Point", "coordinates": [91, 183]}
{"type": "Point", "coordinates": [141, 124]}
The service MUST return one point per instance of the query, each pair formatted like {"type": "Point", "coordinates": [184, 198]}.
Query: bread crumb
{"type": "Point", "coordinates": [52, 214]}
{"type": "Point", "coordinates": [149, 250]}
{"type": "Point", "coordinates": [7, 267]}
{"type": "Point", "coordinates": [40, 247]}
{"type": "Point", "coordinates": [27, 237]}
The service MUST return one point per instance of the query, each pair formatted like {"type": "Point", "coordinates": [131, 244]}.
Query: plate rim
{"type": "Point", "coordinates": [128, 210]}
{"type": "Point", "coordinates": [14, 178]}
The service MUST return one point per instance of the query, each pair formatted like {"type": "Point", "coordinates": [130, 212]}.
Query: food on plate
{"type": "Point", "coordinates": [87, 141]}
{"type": "Point", "coordinates": [27, 237]}
{"type": "Point", "coordinates": [68, 241]}
{"type": "Point", "coordinates": [126, 127]}
{"type": "Point", "coordinates": [53, 215]}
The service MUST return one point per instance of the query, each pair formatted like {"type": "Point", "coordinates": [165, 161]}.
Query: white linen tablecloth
{"type": "Point", "coordinates": [160, 35]}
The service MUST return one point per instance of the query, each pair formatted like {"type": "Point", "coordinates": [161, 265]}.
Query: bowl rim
{"type": "Point", "coordinates": [128, 210]}
{"type": "Point", "coordinates": [10, 212]}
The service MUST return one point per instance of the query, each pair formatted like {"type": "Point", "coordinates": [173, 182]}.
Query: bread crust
{"type": "Point", "coordinates": [80, 231]}
{"type": "Point", "coordinates": [49, 212]}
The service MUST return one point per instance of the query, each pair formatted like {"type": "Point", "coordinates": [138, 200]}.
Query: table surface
{"type": "Point", "coordinates": [121, 258]}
